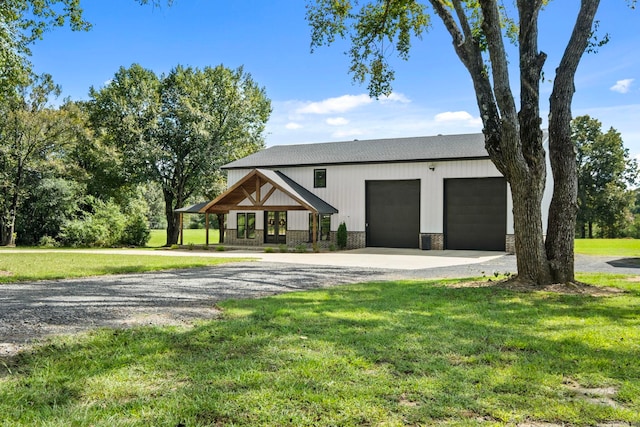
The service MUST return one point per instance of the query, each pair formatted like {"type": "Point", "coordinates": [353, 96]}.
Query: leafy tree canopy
{"type": "Point", "coordinates": [178, 129]}
{"type": "Point", "coordinates": [605, 174]}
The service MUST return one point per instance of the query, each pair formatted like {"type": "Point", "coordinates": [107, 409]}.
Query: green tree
{"type": "Point", "coordinates": [45, 208]}
{"type": "Point", "coordinates": [605, 173]}
{"type": "Point", "coordinates": [29, 133]}
{"type": "Point", "coordinates": [21, 23]}
{"type": "Point", "coordinates": [177, 130]}
{"type": "Point", "coordinates": [480, 30]}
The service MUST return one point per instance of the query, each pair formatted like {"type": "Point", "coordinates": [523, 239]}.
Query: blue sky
{"type": "Point", "coordinates": [313, 97]}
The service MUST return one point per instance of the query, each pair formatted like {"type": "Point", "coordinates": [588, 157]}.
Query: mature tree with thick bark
{"type": "Point", "coordinates": [179, 129]}
{"type": "Point", "coordinates": [480, 31]}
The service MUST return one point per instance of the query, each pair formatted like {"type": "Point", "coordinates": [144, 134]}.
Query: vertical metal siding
{"type": "Point", "coordinates": [345, 189]}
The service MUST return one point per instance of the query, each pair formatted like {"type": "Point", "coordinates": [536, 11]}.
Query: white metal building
{"type": "Point", "coordinates": [439, 192]}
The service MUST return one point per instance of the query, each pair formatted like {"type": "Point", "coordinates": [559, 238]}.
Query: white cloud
{"type": "Point", "coordinates": [337, 121]}
{"type": "Point", "coordinates": [293, 126]}
{"type": "Point", "coordinates": [622, 86]}
{"type": "Point", "coordinates": [457, 116]}
{"type": "Point", "coordinates": [395, 97]}
{"type": "Point", "coordinates": [340, 104]}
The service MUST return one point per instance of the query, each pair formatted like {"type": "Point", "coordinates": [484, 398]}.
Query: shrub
{"type": "Point", "coordinates": [101, 225]}
{"type": "Point", "coordinates": [83, 233]}
{"type": "Point", "coordinates": [220, 248]}
{"type": "Point", "coordinates": [341, 235]}
{"type": "Point", "coordinates": [301, 248]}
{"type": "Point", "coordinates": [268, 250]}
{"type": "Point", "coordinates": [283, 248]}
{"type": "Point", "coordinates": [136, 232]}
{"type": "Point", "coordinates": [47, 242]}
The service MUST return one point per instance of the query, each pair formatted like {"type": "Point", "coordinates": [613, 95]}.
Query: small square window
{"type": "Point", "coordinates": [319, 178]}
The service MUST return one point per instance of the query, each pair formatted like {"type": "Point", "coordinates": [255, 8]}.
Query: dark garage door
{"type": "Point", "coordinates": [393, 213]}
{"type": "Point", "coordinates": [475, 213]}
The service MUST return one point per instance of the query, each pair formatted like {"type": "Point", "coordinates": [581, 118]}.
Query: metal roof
{"type": "Point", "coordinates": [240, 191]}
{"type": "Point", "coordinates": [423, 148]}
{"type": "Point", "coordinates": [300, 192]}
{"type": "Point", "coordinates": [193, 208]}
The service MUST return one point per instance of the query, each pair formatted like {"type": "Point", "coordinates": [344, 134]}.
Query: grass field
{"type": "Point", "coordinates": [385, 354]}
{"type": "Point", "coordinates": [22, 266]}
{"type": "Point", "coordinates": [191, 236]}
{"type": "Point", "coordinates": [612, 247]}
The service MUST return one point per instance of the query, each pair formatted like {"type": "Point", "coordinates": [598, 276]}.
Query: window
{"type": "Point", "coordinates": [251, 226]}
{"type": "Point", "coordinates": [319, 178]}
{"type": "Point", "coordinates": [242, 225]}
{"type": "Point", "coordinates": [246, 228]}
{"type": "Point", "coordinates": [323, 224]}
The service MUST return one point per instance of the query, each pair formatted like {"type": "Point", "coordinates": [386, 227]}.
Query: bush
{"type": "Point", "coordinates": [47, 242]}
{"type": "Point", "coordinates": [341, 235]}
{"type": "Point", "coordinates": [136, 232]}
{"type": "Point", "coordinates": [301, 248]}
{"type": "Point", "coordinates": [82, 233]}
{"type": "Point", "coordinates": [103, 227]}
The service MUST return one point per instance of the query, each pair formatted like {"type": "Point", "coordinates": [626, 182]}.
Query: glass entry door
{"type": "Point", "coordinates": [275, 227]}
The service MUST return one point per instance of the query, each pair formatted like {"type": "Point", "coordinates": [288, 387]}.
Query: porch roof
{"type": "Point", "coordinates": [250, 188]}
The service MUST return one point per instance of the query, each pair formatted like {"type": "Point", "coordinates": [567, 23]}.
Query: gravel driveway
{"type": "Point", "coordinates": [32, 311]}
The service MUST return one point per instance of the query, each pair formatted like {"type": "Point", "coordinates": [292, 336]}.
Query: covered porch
{"type": "Point", "coordinates": [264, 191]}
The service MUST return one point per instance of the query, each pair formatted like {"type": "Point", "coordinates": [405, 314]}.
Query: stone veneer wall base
{"type": "Point", "coordinates": [510, 244]}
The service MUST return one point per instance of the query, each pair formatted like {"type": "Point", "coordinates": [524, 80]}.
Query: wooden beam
{"type": "Point", "coordinates": [269, 193]}
{"type": "Point", "coordinates": [181, 230]}
{"type": "Point", "coordinates": [227, 208]}
{"type": "Point", "coordinates": [246, 193]}
{"type": "Point", "coordinates": [258, 186]}
{"type": "Point", "coordinates": [314, 228]}
{"type": "Point", "coordinates": [206, 226]}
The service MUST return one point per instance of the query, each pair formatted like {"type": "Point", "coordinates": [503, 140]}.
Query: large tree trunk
{"type": "Point", "coordinates": [527, 218]}
{"type": "Point", "coordinates": [562, 153]}
{"type": "Point", "coordinates": [8, 229]}
{"type": "Point", "coordinates": [514, 140]}
{"type": "Point", "coordinates": [7, 232]}
{"type": "Point", "coordinates": [173, 219]}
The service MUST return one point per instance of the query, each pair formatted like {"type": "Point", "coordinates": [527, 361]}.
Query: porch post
{"type": "Point", "coordinates": [314, 228]}
{"type": "Point", "coordinates": [181, 230]}
{"type": "Point", "coordinates": [206, 226]}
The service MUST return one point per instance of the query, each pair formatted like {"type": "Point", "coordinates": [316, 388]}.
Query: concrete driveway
{"type": "Point", "coordinates": [379, 258]}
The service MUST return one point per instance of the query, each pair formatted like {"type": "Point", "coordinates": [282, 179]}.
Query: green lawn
{"type": "Point", "coordinates": [384, 354]}
{"type": "Point", "coordinates": [68, 263]}
{"type": "Point", "coordinates": [191, 236]}
{"type": "Point", "coordinates": [612, 247]}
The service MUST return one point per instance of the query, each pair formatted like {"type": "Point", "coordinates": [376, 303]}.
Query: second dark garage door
{"type": "Point", "coordinates": [393, 213]}
{"type": "Point", "coordinates": [475, 213]}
